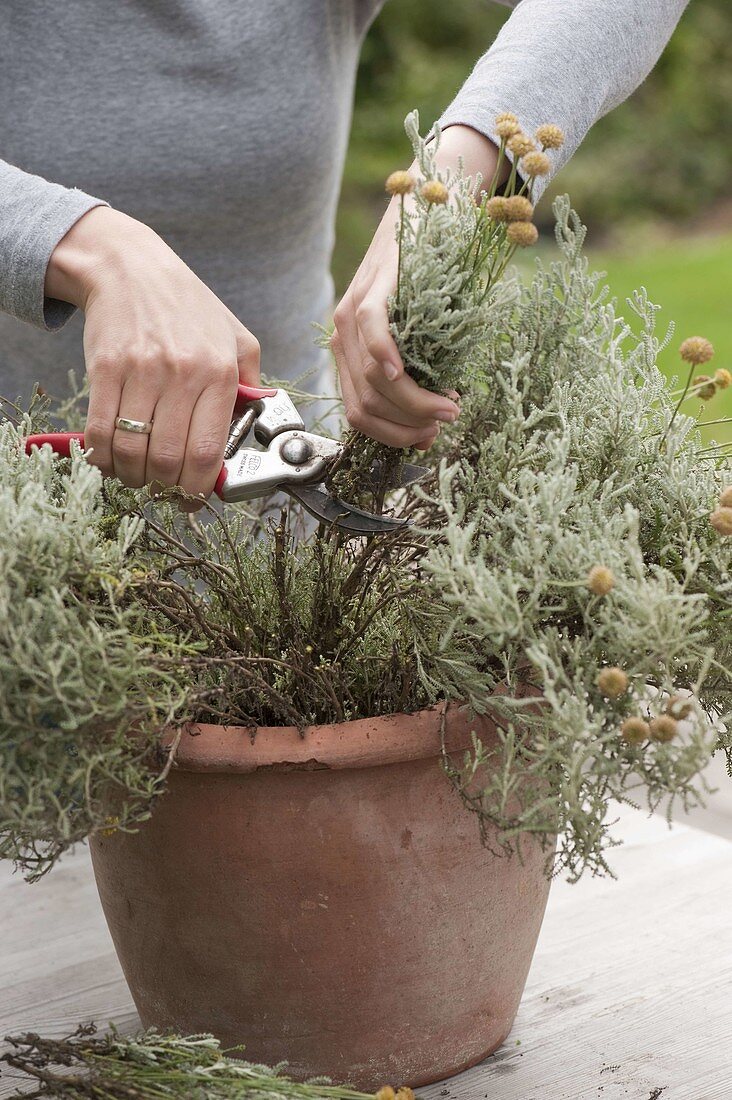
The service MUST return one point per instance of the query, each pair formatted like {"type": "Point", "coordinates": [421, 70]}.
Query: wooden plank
{"type": "Point", "coordinates": [629, 992]}
{"type": "Point", "coordinates": [630, 988]}
{"type": "Point", "coordinates": [57, 963]}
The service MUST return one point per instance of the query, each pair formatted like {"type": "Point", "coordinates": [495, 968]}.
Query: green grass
{"type": "Point", "coordinates": [690, 279]}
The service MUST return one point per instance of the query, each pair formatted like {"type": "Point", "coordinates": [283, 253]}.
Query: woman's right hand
{"type": "Point", "coordinates": [159, 346]}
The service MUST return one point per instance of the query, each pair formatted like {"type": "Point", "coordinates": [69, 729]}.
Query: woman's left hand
{"type": "Point", "coordinates": [380, 399]}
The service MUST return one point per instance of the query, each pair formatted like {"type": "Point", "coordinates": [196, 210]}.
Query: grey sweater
{"type": "Point", "coordinates": [223, 124]}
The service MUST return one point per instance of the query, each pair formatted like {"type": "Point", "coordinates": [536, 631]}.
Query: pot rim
{"type": "Point", "coordinates": [362, 743]}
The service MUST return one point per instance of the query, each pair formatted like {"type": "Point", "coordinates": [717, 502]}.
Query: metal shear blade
{"type": "Point", "coordinates": [294, 461]}
{"type": "Point", "coordinates": [348, 517]}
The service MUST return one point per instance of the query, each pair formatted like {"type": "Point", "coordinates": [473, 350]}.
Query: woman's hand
{"type": "Point", "coordinates": [159, 346]}
{"type": "Point", "coordinates": [380, 399]}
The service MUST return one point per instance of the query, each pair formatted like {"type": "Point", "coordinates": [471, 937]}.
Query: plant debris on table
{"type": "Point", "coordinates": [153, 1066]}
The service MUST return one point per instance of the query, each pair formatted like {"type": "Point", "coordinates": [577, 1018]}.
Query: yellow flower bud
{"type": "Point", "coordinates": [696, 349]}
{"type": "Point", "coordinates": [496, 209]}
{"type": "Point", "coordinates": [434, 192]}
{"type": "Point", "coordinates": [664, 728]}
{"type": "Point", "coordinates": [385, 1093]}
{"type": "Point", "coordinates": [518, 209]}
{"type": "Point", "coordinates": [520, 144]}
{"type": "Point", "coordinates": [507, 127]}
{"type": "Point", "coordinates": [506, 116]}
{"type": "Point", "coordinates": [612, 682]}
{"type": "Point", "coordinates": [723, 378]}
{"type": "Point", "coordinates": [600, 580]}
{"type": "Point", "coordinates": [721, 520]}
{"type": "Point", "coordinates": [535, 164]}
{"type": "Point", "coordinates": [635, 730]}
{"type": "Point", "coordinates": [522, 233]}
{"type": "Point", "coordinates": [725, 498]}
{"type": "Point", "coordinates": [679, 707]}
{"type": "Point", "coordinates": [704, 387]}
{"type": "Point", "coordinates": [550, 136]}
{"type": "Point", "coordinates": [399, 183]}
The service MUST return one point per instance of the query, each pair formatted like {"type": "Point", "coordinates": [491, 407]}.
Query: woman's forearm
{"type": "Point", "coordinates": [564, 61]}
{"type": "Point", "coordinates": [35, 214]}
{"type": "Point", "coordinates": [463, 144]}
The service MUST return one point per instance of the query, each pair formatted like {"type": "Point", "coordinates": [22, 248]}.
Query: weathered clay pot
{"type": "Point", "coordinates": [326, 900]}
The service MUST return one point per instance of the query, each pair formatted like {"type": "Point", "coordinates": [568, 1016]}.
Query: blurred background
{"type": "Point", "coordinates": [653, 180]}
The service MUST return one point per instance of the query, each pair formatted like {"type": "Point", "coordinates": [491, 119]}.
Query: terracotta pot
{"type": "Point", "coordinates": [325, 900]}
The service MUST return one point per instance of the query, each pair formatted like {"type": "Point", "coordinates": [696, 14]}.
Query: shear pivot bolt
{"type": "Point", "coordinates": [296, 451]}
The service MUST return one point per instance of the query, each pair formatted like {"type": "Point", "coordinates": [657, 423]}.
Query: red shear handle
{"type": "Point", "coordinates": [220, 482]}
{"type": "Point", "coordinates": [60, 442]}
{"type": "Point", "coordinates": [247, 394]}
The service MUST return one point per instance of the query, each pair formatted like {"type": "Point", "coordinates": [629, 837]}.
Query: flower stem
{"type": "Point", "coordinates": [399, 257]}
{"type": "Point", "coordinates": [678, 406]}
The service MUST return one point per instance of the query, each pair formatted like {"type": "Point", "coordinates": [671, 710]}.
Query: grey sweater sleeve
{"type": "Point", "coordinates": [564, 61]}
{"type": "Point", "coordinates": [34, 215]}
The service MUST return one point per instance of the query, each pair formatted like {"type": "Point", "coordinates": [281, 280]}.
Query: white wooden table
{"type": "Point", "coordinates": [630, 993]}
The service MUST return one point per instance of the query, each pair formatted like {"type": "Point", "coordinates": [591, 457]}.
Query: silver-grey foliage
{"type": "Point", "coordinates": [452, 255]}
{"type": "Point", "coordinates": [77, 673]}
{"type": "Point", "coordinates": [570, 461]}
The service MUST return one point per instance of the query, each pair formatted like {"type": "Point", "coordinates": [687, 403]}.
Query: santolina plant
{"type": "Point", "coordinates": [567, 567]}
{"type": "Point", "coordinates": [80, 662]}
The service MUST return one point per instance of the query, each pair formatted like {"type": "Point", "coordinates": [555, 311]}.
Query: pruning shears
{"type": "Point", "coordinates": [289, 459]}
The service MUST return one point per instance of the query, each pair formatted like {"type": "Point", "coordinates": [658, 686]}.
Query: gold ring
{"type": "Point", "coordinates": [142, 427]}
